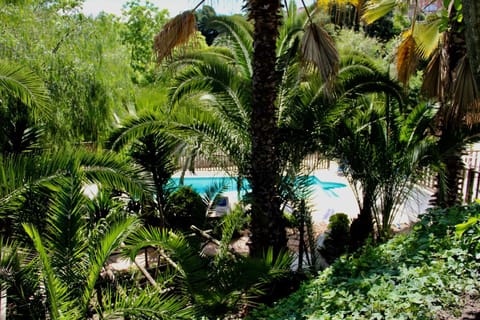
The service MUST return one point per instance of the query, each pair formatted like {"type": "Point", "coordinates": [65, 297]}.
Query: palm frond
{"type": "Point", "coordinates": [375, 9]}
{"type": "Point", "coordinates": [213, 132]}
{"type": "Point", "coordinates": [319, 49]}
{"type": "Point", "coordinates": [10, 252]}
{"type": "Point", "coordinates": [232, 222]}
{"type": "Point", "coordinates": [58, 295]}
{"type": "Point", "coordinates": [240, 34]}
{"type": "Point", "coordinates": [219, 82]}
{"type": "Point", "coordinates": [133, 129]}
{"type": "Point", "coordinates": [26, 86]}
{"type": "Point", "coordinates": [65, 231]}
{"type": "Point", "coordinates": [193, 58]}
{"type": "Point", "coordinates": [213, 192]}
{"type": "Point", "coordinates": [189, 266]}
{"type": "Point", "coordinates": [406, 58]}
{"type": "Point", "coordinates": [144, 302]}
{"type": "Point", "coordinates": [112, 239]}
{"type": "Point", "coordinates": [432, 85]}
{"type": "Point", "coordinates": [465, 95]}
{"type": "Point", "coordinates": [174, 33]}
{"type": "Point", "coordinates": [427, 36]}
{"type": "Point", "coordinates": [115, 172]}
{"type": "Point", "coordinates": [22, 172]}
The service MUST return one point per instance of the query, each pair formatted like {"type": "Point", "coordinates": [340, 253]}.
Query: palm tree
{"type": "Point", "coordinates": [471, 13]}
{"type": "Point", "coordinates": [382, 156]}
{"type": "Point", "coordinates": [155, 153]}
{"type": "Point", "coordinates": [72, 254]}
{"type": "Point", "coordinates": [23, 84]}
{"type": "Point", "coordinates": [264, 166]}
{"type": "Point", "coordinates": [449, 79]}
{"type": "Point", "coordinates": [26, 180]}
{"type": "Point", "coordinates": [71, 246]}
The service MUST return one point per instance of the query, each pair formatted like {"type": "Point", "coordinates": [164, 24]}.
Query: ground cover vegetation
{"type": "Point", "coordinates": [429, 273]}
{"type": "Point", "coordinates": [94, 123]}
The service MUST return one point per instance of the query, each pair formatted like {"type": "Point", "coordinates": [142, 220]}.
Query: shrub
{"type": "Point", "coordinates": [184, 208]}
{"type": "Point", "coordinates": [338, 237]}
{"type": "Point", "coordinates": [416, 276]}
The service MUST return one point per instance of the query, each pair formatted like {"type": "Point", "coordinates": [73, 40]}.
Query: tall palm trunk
{"type": "Point", "coordinates": [268, 227]}
{"type": "Point", "coordinates": [362, 226]}
{"type": "Point", "coordinates": [471, 13]}
{"type": "Point", "coordinates": [448, 192]}
{"type": "Point", "coordinates": [452, 128]}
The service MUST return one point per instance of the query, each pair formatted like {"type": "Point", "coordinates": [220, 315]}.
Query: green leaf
{"type": "Point", "coordinates": [461, 228]}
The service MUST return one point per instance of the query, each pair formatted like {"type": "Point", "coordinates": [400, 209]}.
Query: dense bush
{"type": "Point", "coordinates": [338, 237]}
{"type": "Point", "coordinates": [184, 208]}
{"type": "Point", "coordinates": [412, 276]}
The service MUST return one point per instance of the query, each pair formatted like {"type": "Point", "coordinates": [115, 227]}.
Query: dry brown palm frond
{"type": "Point", "coordinates": [464, 91]}
{"type": "Point", "coordinates": [473, 115]}
{"type": "Point", "coordinates": [175, 33]}
{"type": "Point", "coordinates": [318, 48]}
{"type": "Point", "coordinates": [432, 81]}
{"type": "Point", "coordinates": [407, 58]}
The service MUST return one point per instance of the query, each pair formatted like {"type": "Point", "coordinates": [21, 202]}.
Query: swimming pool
{"type": "Point", "coordinates": [201, 184]}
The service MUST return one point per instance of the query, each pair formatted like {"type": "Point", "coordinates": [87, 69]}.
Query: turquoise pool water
{"type": "Point", "coordinates": [201, 184]}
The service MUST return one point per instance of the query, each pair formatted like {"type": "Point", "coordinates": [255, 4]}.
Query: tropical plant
{"type": "Point", "coordinates": [448, 78]}
{"type": "Point", "coordinates": [184, 208]}
{"type": "Point", "coordinates": [71, 256]}
{"type": "Point", "coordinates": [381, 152]}
{"type": "Point", "coordinates": [27, 181]}
{"type": "Point", "coordinates": [222, 287]}
{"type": "Point", "coordinates": [422, 274]}
{"type": "Point", "coordinates": [264, 168]}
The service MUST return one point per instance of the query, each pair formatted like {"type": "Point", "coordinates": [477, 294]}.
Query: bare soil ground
{"type": "Point", "coordinates": [471, 310]}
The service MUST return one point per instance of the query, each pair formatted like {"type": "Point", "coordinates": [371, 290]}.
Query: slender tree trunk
{"type": "Point", "coordinates": [362, 227]}
{"type": "Point", "coordinates": [451, 127]}
{"type": "Point", "coordinates": [471, 13]}
{"type": "Point", "coordinates": [448, 191]}
{"type": "Point", "coordinates": [268, 226]}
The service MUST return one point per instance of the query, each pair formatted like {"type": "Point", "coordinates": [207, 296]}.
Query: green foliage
{"type": "Point", "coordinates": [185, 207]}
{"type": "Point", "coordinates": [338, 237]}
{"type": "Point", "coordinates": [143, 21]}
{"type": "Point", "coordinates": [218, 287]}
{"type": "Point", "coordinates": [412, 276]}
{"type": "Point", "coordinates": [80, 61]}
{"type": "Point", "coordinates": [470, 233]}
